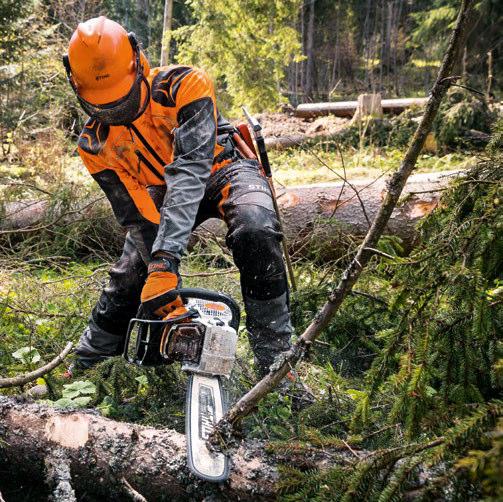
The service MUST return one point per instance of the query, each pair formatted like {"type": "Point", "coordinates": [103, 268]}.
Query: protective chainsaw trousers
{"type": "Point", "coordinates": [239, 194]}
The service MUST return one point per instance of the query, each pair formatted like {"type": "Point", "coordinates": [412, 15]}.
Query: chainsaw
{"type": "Point", "coordinates": [204, 341]}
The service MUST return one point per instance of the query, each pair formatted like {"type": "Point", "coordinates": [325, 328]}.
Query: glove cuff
{"type": "Point", "coordinates": [163, 264]}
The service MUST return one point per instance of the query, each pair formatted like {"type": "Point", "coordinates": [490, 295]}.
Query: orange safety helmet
{"type": "Point", "coordinates": [106, 67]}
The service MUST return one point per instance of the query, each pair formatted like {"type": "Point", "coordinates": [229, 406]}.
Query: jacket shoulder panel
{"type": "Point", "coordinates": [93, 137]}
{"type": "Point", "coordinates": [166, 83]}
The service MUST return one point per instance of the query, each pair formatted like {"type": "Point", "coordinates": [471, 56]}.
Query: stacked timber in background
{"type": "Point", "coordinates": [301, 118]}
{"type": "Point", "coordinates": [349, 108]}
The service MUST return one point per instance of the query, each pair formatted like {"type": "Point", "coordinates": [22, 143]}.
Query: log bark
{"type": "Point", "coordinates": [330, 207]}
{"type": "Point", "coordinates": [348, 108]}
{"type": "Point", "coordinates": [335, 210]}
{"type": "Point", "coordinates": [105, 456]}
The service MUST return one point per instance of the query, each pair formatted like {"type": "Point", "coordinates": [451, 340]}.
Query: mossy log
{"type": "Point", "coordinates": [327, 212]}
{"type": "Point", "coordinates": [83, 452]}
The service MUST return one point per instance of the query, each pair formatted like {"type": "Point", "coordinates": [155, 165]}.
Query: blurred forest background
{"type": "Point", "coordinates": [261, 53]}
{"type": "Point", "coordinates": [409, 375]}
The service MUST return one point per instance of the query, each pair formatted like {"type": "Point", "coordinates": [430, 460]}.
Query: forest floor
{"type": "Point", "coordinates": [48, 286]}
{"type": "Point", "coordinates": [321, 161]}
{"type": "Point", "coordinates": [286, 124]}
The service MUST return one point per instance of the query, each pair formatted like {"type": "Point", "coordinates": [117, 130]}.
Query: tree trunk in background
{"type": "Point", "coordinates": [309, 76]}
{"type": "Point", "coordinates": [464, 70]}
{"type": "Point", "coordinates": [143, 21]}
{"type": "Point", "coordinates": [166, 32]}
{"type": "Point", "coordinates": [396, 72]}
{"type": "Point", "coordinates": [489, 75]}
{"type": "Point", "coordinates": [302, 64]}
{"type": "Point", "coordinates": [366, 43]}
{"type": "Point", "coordinates": [336, 58]}
{"type": "Point", "coordinates": [387, 41]}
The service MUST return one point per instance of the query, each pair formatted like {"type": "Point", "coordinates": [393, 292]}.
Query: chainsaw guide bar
{"type": "Point", "coordinates": [204, 408]}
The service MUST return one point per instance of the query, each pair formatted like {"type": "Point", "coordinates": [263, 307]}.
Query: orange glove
{"type": "Point", "coordinates": [178, 311]}
{"type": "Point", "coordinates": [159, 295]}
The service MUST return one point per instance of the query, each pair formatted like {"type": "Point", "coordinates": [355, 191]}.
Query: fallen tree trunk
{"type": "Point", "coordinates": [348, 108]}
{"type": "Point", "coordinates": [341, 210]}
{"type": "Point", "coordinates": [335, 210]}
{"type": "Point", "coordinates": [102, 457]}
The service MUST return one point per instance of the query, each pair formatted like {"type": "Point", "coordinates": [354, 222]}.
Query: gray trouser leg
{"type": "Point", "coordinates": [269, 329]}
{"type": "Point", "coordinates": [118, 303]}
{"type": "Point", "coordinates": [255, 240]}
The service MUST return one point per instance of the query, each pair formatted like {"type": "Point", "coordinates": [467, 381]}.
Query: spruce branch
{"type": "Point", "coordinates": [395, 186]}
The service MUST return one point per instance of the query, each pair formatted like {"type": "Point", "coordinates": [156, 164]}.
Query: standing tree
{"type": "Point", "coordinates": [166, 32]}
{"type": "Point", "coordinates": [245, 46]}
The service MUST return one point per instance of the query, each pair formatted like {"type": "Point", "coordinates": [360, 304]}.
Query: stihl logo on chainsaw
{"type": "Point", "coordinates": [206, 412]}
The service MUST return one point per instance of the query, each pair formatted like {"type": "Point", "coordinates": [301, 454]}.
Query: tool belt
{"type": "Point", "coordinates": [237, 144]}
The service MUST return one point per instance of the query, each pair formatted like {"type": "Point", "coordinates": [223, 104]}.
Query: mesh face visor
{"type": "Point", "coordinates": [123, 111]}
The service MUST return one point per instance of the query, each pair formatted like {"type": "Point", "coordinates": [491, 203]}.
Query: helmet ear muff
{"type": "Point", "coordinates": [66, 64]}
{"type": "Point", "coordinates": [133, 41]}
{"type": "Point", "coordinates": [141, 61]}
{"type": "Point", "coordinates": [68, 69]}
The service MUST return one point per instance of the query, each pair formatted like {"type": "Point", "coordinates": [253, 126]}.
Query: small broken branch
{"type": "Point", "coordinates": [396, 184]}
{"type": "Point", "coordinates": [133, 494]}
{"type": "Point", "coordinates": [33, 375]}
{"type": "Point", "coordinates": [381, 253]}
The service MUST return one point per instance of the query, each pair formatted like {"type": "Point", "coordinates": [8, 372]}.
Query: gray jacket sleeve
{"type": "Point", "coordinates": [187, 175]}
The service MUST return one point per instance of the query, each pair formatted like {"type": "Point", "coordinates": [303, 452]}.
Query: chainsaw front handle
{"type": "Point", "coordinates": [213, 296]}
{"type": "Point", "coordinates": [203, 294]}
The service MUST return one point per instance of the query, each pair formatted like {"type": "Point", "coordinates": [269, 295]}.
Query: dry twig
{"type": "Point", "coordinates": [33, 375]}
{"type": "Point", "coordinates": [135, 496]}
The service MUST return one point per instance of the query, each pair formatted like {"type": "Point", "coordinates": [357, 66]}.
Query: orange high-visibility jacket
{"type": "Point", "coordinates": [172, 143]}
